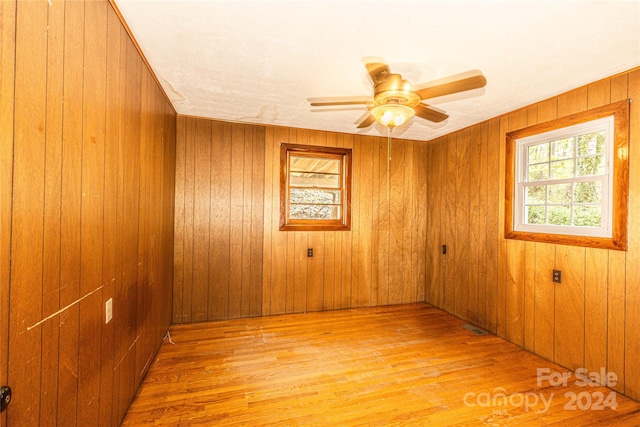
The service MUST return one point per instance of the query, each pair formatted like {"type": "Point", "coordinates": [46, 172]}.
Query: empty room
{"type": "Point", "coordinates": [334, 213]}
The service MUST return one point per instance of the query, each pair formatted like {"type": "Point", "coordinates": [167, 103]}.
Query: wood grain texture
{"type": "Point", "coordinates": [89, 143]}
{"type": "Point", "coordinates": [401, 365]}
{"type": "Point", "coordinates": [583, 322]}
{"type": "Point", "coordinates": [632, 278]}
{"type": "Point", "coordinates": [7, 87]}
{"type": "Point", "coordinates": [256, 269]}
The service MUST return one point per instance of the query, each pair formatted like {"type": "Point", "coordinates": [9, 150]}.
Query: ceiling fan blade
{"type": "Point", "coordinates": [430, 114]}
{"type": "Point", "coordinates": [368, 121]}
{"type": "Point", "coordinates": [343, 100]}
{"type": "Point", "coordinates": [378, 71]}
{"type": "Point", "coordinates": [447, 87]}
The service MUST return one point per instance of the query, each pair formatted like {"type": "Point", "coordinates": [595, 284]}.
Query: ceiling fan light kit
{"type": "Point", "coordinates": [392, 115]}
{"type": "Point", "coordinates": [394, 100]}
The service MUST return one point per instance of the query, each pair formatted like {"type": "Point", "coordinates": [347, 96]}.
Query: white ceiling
{"type": "Point", "coordinates": [259, 61]}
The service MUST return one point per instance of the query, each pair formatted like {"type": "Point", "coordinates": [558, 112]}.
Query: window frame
{"type": "Point", "coordinates": [619, 176]}
{"type": "Point", "coordinates": [345, 157]}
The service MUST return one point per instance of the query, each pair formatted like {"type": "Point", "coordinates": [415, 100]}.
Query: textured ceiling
{"type": "Point", "coordinates": [259, 61]}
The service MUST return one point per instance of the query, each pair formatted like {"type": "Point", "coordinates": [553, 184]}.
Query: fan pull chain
{"type": "Point", "coordinates": [388, 162]}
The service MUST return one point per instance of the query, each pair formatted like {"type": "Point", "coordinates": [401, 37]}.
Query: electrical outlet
{"type": "Point", "coordinates": [310, 252]}
{"type": "Point", "coordinates": [557, 276]}
{"type": "Point", "coordinates": [444, 249]}
{"type": "Point", "coordinates": [108, 310]}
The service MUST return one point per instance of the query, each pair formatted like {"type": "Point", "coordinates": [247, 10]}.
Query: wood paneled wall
{"type": "Point", "coordinates": [232, 261]}
{"type": "Point", "coordinates": [87, 186]}
{"type": "Point", "coordinates": [592, 319]}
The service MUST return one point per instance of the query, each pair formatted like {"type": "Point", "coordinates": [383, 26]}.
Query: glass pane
{"type": "Point", "coordinates": [562, 149]}
{"type": "Point", "coordinates": [560, 194]}
{"type": "Point", "coordinates": [305, 179]}
{"type": "Point", "coordinates": [562, 169]}
{"type": "Point", "coordinates": [534, 215]}
{"type": "Point", "coordinates": [591, 166]}
{"type": "Point", "coordinates": [560, 215]}
{"type": "Point", "coordinates": [591, 143]}
{"type": "Point", "coordinates": [538, 172]}
{"type": "Point", "coordinates": [539, 153]}
{"type": "Point", "coordinates": [316, 197]}
{"type": "Point", "coordinates": [587, 192]}
{"type": "Point", "coordinates": [536, 195]}
{"type": "Point", "coordinates": [588, 216]}
{"type": "Point", "coordinates": [314, 164]}
{"type": "Point", "coordinates": [314, 212]}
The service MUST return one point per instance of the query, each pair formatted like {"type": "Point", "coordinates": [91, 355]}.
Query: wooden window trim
{"type": "Point", "coordinates": [314, 225]}
{"type": "Point", "coordinates": [620, 196]}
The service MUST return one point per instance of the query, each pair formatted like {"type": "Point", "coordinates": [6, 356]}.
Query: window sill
{"type": "Point", "coordinates": [562, 239]}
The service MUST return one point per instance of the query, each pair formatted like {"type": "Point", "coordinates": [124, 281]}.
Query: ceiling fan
{"type": "Point", "coordinates": [395, 101]}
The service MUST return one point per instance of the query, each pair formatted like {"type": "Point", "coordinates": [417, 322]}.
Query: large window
{"type": "Point", "coordinates": [567, 180]}
{"type": "Point", "coordinates": [315, 187]}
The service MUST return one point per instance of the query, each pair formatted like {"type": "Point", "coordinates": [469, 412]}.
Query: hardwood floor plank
{"type": "Point", "coordinates": [395, 365]}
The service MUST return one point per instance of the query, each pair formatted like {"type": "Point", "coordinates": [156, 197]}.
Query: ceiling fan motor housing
{"type": "Point", "coordinates": [395, 90]}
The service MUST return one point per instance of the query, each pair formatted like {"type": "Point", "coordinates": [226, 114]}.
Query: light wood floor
{"type": "Point", "coordinates": [397, 365]}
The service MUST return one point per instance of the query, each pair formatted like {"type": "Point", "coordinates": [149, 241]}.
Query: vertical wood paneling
{"type": "Point", "coordinates": [396, 236]}
{"type": "Point", "coordinates": [269, 199]}
{"type": "Point", "coordinates": [53, 188]}
{"type": "Point", "coordinates": [632, 296]}
{"type": "Point", "coordinates": [72, 210]}
{"type": "Point", "coordinates": [475, 183]}
{"type": "Point", "coordinates": [595, 296]}
{"type": "Point", "coordinates": [617, 282]}
{"type": "Point", "coordinates": [220, 240]}
{"type": "Point", "coordinates": [247, 206]}
{"type": "Point", "coordinates": [220, 226]}
{"type": "Point", "coordinates": [363, 286]}
{"type": "Point", "coordinates": [179, 222]}
{"type": "Point", "coordinates": [494, 203]}
{"type": "Point", "coordinates": [501, 296]}
{"type": "Point", "coordinates": [483, 213]}
{"type": "Point", "coordinates": [110, 277]}
{"type": "Point", "coordinates": [616, 319]}
{"type": "Point", "coordinates": [569, 307]}
{"type": "Point", "coordinates": [450, 238]}
{"type": "Point", "coordinates": [81, 232]}
{"type": "Point", "coordinates": [586, 321]}
{"type": "Point", "coordinates": [433, 238]}
{"type": "Point", "coordinates": [515, 265]}
{"type": "Point", "coordinates": [27, 212]}
{"type": "Point", "coordinates": [407, 223]}
{"type": "Point", "coordinates": [420, 219]}
{"type": "Point", "coordinates": [189, 206]}
{"type": "Point", "coordinates": [7, 74]}
{"type": "Point", "coordinates": [255, 269]}
{"type": "Point", "coordinates": [257, 224]}
{"type": "Point", "coordinates": [383, 190]}
{"type": "Point", "coordinates": [356, 205]}
{"type": "Point", "coordinates": [93, 151]}
{"type": "Point", "coordinates": [544, 300]}
{"type": "Point", "coordinates": [461, 272]}
{"type": "Point", "coordinates": [201, 214]}
{"type": "Point", "coordinates": [278, 288]}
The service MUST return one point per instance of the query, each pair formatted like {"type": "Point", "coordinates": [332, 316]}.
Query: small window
{"type": "Point", "coordinates": [315, 188]}
{"type": "Point", "coordinates": [568, 181]}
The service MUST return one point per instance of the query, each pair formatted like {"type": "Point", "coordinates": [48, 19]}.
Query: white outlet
{"type": "Point", "coordinates": [108, 310]}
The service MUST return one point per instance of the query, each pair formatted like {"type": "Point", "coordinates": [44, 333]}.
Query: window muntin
{"type": "Point", "coordinates": [564, 180]}
{"type": "Point", "coordinates": [315, 188]}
